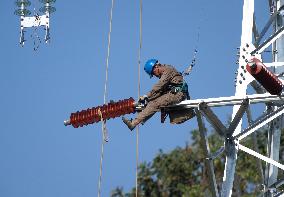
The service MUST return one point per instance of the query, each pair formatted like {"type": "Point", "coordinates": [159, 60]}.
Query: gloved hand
{"type": "Point", "coordinates": [143, 98]}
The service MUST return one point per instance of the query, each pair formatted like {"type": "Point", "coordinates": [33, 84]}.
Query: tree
{"type": "Point", "coordinates": [182, 172]}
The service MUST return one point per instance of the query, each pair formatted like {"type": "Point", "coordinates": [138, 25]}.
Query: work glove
{"type": "Point", "coordinates": [143, 99]}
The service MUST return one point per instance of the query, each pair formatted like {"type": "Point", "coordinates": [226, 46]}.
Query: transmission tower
{"type": "Point", "coordinates": [266, 79]}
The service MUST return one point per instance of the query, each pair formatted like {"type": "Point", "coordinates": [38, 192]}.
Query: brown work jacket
{"type": "Point", "coordinates": [170, 76]}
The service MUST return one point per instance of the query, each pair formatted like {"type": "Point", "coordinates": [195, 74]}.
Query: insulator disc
{"type": "Point", "coordinates": [25, 3]}
{"type": "Point", "coordinates": [265, 77]}
{"type": "Point", "coordinates": [48, 9]}
{"type": "Point", "coordinates": [22, 12]}
{"type": "Point", "coordinates": [47, 1]}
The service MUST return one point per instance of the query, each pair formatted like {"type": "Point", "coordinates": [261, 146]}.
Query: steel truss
{"type": "Point", "coordinates": [242, 104]}
{"type": "Point", "coordinates": [232, 145]}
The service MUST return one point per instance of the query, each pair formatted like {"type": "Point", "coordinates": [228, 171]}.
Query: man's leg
{"type": "Point", "coordinates": [143, 116]}
{"type": "Point", "coordinates": [153, 107]}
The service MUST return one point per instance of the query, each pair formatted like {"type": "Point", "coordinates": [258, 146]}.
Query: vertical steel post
{"type": "Point", "coordinates": [276, 126]}
{"type": "Point", "coordinates": [279, 55]}
{"type": "Point", "coordinates": [241, 87]}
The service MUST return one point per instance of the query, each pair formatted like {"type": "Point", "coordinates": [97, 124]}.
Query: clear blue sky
{"type": "Point", "coordinates": [40, 157]}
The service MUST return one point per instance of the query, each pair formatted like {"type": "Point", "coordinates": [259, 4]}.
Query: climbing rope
{"type": "Point", "coordinates": [188, 70]}
{"type": "Point", "coordinates": [139, 87]}
{"type": "Point", "coordinates": [104, 131]}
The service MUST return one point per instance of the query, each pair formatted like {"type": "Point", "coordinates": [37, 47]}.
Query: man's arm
{"type": "Point", "coordinates": [161, 86]}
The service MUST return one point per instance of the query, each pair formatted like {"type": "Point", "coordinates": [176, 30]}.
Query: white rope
{"type": "Point", "coordinates": [102, 153]}
{"type": "Point", "coordinates": [108, 50]}
{"type": "Point", "coordinates": [139, 85]}
{"type": "Point", "coordinates": [104, 132]}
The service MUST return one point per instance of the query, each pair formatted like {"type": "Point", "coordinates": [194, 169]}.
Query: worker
{"type": "Point", "coordinates": [169, 90]}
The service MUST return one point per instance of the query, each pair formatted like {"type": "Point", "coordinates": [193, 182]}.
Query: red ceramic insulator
{"type": "Point", "coordinates": [110, 110]}
{"type": "Point", "coordinates": [265, 77]}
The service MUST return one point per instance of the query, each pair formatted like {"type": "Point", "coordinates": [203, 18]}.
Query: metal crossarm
{"type": "Point", "coordinates": [231, 100]}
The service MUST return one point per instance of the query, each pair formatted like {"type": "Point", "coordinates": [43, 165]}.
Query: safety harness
{"type": "Point", "coordinates": [182, 87]}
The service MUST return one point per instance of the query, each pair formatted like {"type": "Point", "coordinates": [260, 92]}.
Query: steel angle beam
{"type": "Point", "coordinates": [277, 183]}
{"type": "Point", "coordinates": [281, 194]}
{"type": "Point", "coordinates": [266, 27]}
{"type": "Point", "coordinates": [255, 145]}
{"type": "Point", "coordinates": [208, 163]}
{"type": "Point", "coordinates": [213, 119]}
{"type": "Point", "coordinates": [259, 89]}
{"type": "Point", "coordinates": [269, 41]}
{"type": "Point", "coordinates": [260, 123]}
{"type": "Point", "coordinates": [264, 158]}
{"type": "Point", "coordinates": [216, 154]}
{"type": "Point", "coordinates": [276, 64]}
{"type": "Point", "coordinates": [273, 149]}
{"type": "Point", "coordinates": [254, 29]}
{"type": "Point", "coordinates": [230, 167]}
{"type": "Point", "coordinates": [229, 101]}
{"type": "Point", "coordinates": [237, 117]}
{"type": "Point", "coordinates": [270, 5]}
{"type": "Point", "coordinates": [274, 186]}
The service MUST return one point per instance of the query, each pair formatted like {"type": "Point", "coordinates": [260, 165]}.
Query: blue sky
{"type": "Point", "coordinates": [39, 89]}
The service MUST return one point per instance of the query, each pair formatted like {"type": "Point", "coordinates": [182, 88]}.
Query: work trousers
{"type": "Point", "coordinates": [154, 105]}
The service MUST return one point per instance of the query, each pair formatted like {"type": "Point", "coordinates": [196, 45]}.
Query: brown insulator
{"type": "Point", "coordinates": [265, 77]}
{"type": "Point", "coordinates": [105, 112]}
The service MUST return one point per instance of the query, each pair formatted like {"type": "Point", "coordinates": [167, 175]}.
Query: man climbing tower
{"type": "Point", "coordinates": [169, 90]}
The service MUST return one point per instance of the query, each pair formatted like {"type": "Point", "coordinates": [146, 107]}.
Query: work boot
{"type": "Point", "coordinates": [129, 123]}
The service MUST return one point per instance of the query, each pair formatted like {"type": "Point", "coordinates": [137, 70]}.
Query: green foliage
{"type": "Point", "coordinates": [182, 171]}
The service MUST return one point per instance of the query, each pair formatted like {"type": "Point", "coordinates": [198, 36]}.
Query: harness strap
{"type": "Point", "coordinates": [182, 87]}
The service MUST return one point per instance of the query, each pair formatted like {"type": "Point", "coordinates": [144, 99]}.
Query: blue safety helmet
{"type": "Point", "coordinates": [149, 65]}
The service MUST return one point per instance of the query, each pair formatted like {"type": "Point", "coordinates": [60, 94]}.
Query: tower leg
{"type": "Point", "coordinates": [230, 167]}
{"type": "Point", "coordinates": [208, 162]}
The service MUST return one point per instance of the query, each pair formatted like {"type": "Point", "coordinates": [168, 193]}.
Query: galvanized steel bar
{"type": "Point", "coordinates": [269, 41]}
{"type": "Point", "coordinates": [238, 117]}
{"type": "Point", "coordinates": [266, 159]}
{"type": "Point", "coordinates": [206, 150]}
{"type": "Point", "coordinates": [263, 121]}
{"type": "Point", "coordinates": [213, 119]}
{"type": "Point", "coordinates": [229, 101]}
